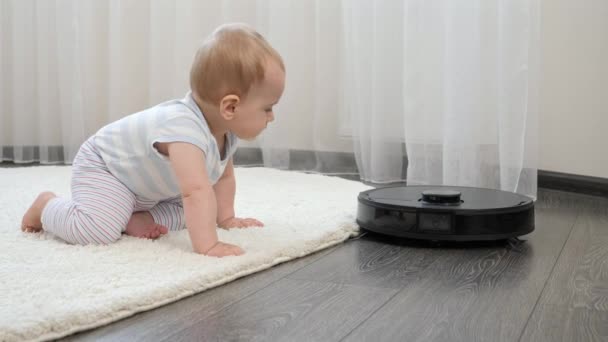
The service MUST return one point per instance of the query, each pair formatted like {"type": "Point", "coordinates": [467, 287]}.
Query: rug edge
{"type": "Point", "coordinates": [344, 235]}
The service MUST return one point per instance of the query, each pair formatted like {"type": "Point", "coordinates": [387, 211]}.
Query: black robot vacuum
{"type": "Point", "coordinates": [445, 213]}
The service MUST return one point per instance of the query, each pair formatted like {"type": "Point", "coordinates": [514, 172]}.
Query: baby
{"type": "Point", "coordinates": [170, 166]}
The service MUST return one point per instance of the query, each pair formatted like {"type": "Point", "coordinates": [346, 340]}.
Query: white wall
{"type": "Point", "coordinates": [574, 87]}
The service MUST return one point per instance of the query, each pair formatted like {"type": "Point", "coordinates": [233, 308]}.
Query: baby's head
{"type": "Point", "coordinates": [240, 76]}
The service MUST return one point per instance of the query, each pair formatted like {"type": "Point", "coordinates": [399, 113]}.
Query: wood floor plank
{"type": "Point", "coordinates": [479, 294]}
{"type": "Point", "coordinates": [373, 289]}
{"type": "Point", "coordinates": [552, 323]}
{"type": "Point", "coordinates": [370, 262]}
{"type": "Point", "coordinates": [575, 299]}
{"type": "Point", "coordinates": [291, 310]}
{"type": "Point", "coordinates": [159, 324]}
{"type": "Point", "coordinates": [580, 279]}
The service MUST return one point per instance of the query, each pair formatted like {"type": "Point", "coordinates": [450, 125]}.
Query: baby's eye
{"type": "Point", "coordinates": [268, 109]}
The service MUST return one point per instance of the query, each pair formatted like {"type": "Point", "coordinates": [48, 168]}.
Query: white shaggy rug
{"type": "Point", "coordinates": [49, 289]}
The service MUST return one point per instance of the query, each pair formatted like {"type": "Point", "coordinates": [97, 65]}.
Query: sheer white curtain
{"type": "Point", "coordinates": [438, 92]}
{"type": "Point", "coordinates": [454, 83]}
{"type": "Point", "coordinates": [68, 67]}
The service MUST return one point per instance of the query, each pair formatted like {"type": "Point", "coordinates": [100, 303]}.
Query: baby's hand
{"type": "Point", "coordinates": [235, 222]}
{"type": "Point", "coordinates": [221, 249]}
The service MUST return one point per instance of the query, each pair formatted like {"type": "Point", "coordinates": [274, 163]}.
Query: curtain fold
{"type": "Point", "coordinates": [454, 83]}
{"type": "Point", "coordinates": [432, 92]}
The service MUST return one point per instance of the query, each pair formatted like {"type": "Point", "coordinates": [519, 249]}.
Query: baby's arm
{"type": "Point", "coordinates": [198, 197]}
{"type": "Point", "coordinates": [225, 189]}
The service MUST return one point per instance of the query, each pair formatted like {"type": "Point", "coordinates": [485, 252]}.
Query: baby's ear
{"type": "Point", "coordinates": [228, 106]}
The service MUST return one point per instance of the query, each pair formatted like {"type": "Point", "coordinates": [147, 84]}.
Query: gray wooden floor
{"type": "Point", "coordinates": [553, 287]}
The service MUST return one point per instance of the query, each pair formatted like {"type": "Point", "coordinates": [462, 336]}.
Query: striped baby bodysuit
{"type": "Point", "coordinates": [118, 171]}
{"type": "Point", "coordinates": [127, 147]}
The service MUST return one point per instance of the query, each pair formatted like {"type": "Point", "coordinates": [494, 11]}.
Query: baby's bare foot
{"type": "Point", "coordinates": [31, 221]}
{"type": "Point", "coordinates": [142, 225]}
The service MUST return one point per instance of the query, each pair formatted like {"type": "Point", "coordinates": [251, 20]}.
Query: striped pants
{"type": "Point", "coordinates": [101, 205]}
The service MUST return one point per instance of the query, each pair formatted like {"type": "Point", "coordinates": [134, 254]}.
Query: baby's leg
{"type": "Point", "coordinates": [142, 225]}
{"type": "Point", "coordinates": [164, 216]}
{"type": "Point", "coordinates": [170, 214]}
{"type": "Point", "coordinates": [100, 206]}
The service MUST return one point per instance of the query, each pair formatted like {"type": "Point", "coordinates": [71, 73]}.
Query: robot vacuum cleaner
{"type": "Point", "coordinates": [445, 213]}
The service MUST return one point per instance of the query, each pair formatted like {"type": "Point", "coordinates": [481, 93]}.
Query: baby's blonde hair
{"type": "Point", "coordinates": [229, 61]}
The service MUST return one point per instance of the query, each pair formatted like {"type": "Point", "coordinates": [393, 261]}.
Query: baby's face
{"type": "Point", "coordinates": [256, 111]}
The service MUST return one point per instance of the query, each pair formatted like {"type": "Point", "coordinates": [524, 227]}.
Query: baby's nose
{"type": "Point", "coordinates": [270, 118]}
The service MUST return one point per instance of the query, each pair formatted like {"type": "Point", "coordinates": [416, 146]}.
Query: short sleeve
{"type": "Point", "coordinates": [180, 127]}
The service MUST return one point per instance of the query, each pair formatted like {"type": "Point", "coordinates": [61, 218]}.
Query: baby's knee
{"type": "Point", "coordinates": [91, 230]}
{"type": "Point", "coordinates": [111, 236]}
